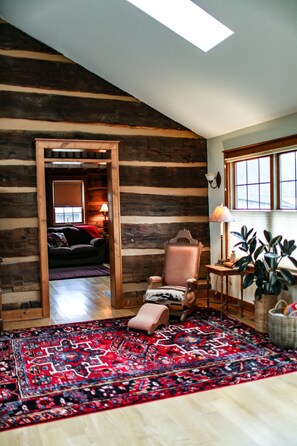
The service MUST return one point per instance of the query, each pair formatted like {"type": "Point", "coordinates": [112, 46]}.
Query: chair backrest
{"type": "Point", "coordinates": [182, 259]}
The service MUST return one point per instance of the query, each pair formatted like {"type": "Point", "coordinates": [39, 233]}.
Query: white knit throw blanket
{"type": "Point", "coordinates": [165, 294]}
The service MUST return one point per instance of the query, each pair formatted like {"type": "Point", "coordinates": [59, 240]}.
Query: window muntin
{"type": "Point", "coordinates": [252, 183]}
{"type": "Point", "coordinates": [288, 180]}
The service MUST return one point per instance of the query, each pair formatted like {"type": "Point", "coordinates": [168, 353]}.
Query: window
{"type": "Point", "coordinates": [252, 184]}
{"type": "Point", "coordinates": [262, 189]}
{"type": "Point", "coordinates": [288, 180]}
{"type": "Point", "coordinates": [68, 201]}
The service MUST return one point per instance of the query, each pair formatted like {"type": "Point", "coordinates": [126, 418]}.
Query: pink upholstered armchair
{"type": "Point", "coordinates": [178, 287]}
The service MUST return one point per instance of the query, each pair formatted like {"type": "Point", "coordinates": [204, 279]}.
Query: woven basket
{"type": "Point", "coordinates": [262, 307]}
{"type": "Point", "coordinates": [282, 330]}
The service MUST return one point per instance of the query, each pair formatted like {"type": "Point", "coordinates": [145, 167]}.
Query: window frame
{"type": "Point", "coordinates": [82, 181]}
{"type": "Point", "coordinates": [279, 181]}
{"type": "Point", "coordinates": [233, 193]}
{"type": "Point", "coordinates": [272, 148]}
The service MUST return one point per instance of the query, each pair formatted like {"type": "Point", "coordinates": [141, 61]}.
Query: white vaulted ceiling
{"type": "Point", "coordinates": [248, 79]}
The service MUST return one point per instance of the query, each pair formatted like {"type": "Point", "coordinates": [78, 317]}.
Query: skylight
{"type": "Point", "coordinates": [186, 19]}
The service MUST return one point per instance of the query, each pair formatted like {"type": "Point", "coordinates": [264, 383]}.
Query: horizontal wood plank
{"type": "Point", "coordinates": [24, 314]}
{"type": "Point", "coordinates": [18, 176]}
{"type": "Point", "coordinates": [162, 176]}
{"type": "Point", "coordinates": [19, 276]}
{"type": "Point", "coordinates": [139, 268]}
{"type": "Point", "coordinates": [162, 205]}
{"type": "Point", "coordinates": [18, 205]}
{"type": "Point", "coordinates": [147, 236]}
{"type": "Point", "coordinates": [19, 242]}
{"type": "Point", "coordinates": [50, 107]}
{"type": "Point", "coordinates": [12, 38]}
{"type": "Point", "coordinates": [163, 149]}
{"type": "Point", "coordinates": [26, 72]}
{"type": "Point", "coordinates": [19, 144]}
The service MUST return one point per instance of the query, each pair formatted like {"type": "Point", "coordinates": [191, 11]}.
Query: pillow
{"type": "Point", "coordinates": [56, 240]}
{"type": "Point", "coordinates": [61, 239]}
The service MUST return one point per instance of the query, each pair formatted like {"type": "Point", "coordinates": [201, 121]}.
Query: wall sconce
{"type": "Point", "coordinates": [104, 210]}
{"type": "Point", "coordinates": [214, 178]}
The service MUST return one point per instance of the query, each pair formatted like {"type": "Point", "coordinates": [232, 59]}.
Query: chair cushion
{"type": "Point", "coordinates": [165, 295]}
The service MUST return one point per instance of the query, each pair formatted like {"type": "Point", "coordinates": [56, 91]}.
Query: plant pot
{"type": "Point", "coordinates": [262, 307]}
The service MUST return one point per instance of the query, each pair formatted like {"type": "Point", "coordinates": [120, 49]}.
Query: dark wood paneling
{"type": "Point", "coordinates": [55, 75]}
{"type": "Point", "coordinates": [19, 242]}
{"type": "Point", "coordinates": [14, 39]}
{"type": "Point", "coordinates": [50, 107]}
{"type": "Point", "coordinates": [180, 177]}
{"type": "Point", "coordinates": [18, 205]}
{"type": "Point", "coordinates": [163, 149]}
{"type": "Point", "coordinates": [154, 236]}
{"type": "Point", "coordinates": [19, 274]}
{"type": "Point", "coordinates": [162, 205]}
{"type": "Point", "coordinates": [18, 176]}
{"type": "Point", "coordinates": [139, 268]}
{"type": "Point", "coordinates": [20, 145]}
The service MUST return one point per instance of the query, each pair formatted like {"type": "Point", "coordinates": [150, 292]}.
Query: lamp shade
{"type": "Point", "coordinates": [104, 207]}
{"type": "Point", "coordinates": [221, 214]}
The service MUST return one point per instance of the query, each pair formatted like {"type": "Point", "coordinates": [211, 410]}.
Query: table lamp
{"type": "Point", "coordinates": [221, 215]}
{"type": "Point", "coordinates": [104, 210]}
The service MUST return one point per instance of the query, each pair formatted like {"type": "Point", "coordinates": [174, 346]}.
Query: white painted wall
{"type": "Point", "coordinates": [277, 128]}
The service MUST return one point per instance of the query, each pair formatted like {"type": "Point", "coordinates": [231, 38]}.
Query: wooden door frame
{"type": "Point", "coordinates": [42, 144]}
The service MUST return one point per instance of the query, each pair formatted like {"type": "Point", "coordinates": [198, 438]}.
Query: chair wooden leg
{"type": "Point", "coordinates": [187, 313]}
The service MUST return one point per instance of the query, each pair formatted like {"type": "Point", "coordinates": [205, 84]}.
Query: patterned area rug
{"type": "Point", "coordinates": [78, 272]}
{"type": "Point", "coordinates": [54, 372]}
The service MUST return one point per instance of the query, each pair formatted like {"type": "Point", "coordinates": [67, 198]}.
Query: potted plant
{"type": "Point", "coordinates": [261, 265]}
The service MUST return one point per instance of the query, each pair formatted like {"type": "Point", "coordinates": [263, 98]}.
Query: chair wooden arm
{"type": "Point", "coordinates": [155, 281]}
{"type": "Point", "coordinates": [192, 284]}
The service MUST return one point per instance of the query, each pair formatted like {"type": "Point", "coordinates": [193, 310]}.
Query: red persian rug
{"type": "Point", "coordinates": [60, 371]}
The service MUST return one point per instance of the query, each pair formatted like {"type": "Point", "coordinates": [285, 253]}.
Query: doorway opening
{"type": "Point", "coordinates": [86, 152]}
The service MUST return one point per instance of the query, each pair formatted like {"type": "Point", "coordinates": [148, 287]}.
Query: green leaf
{"type": "Point", "coordinates": [294, 261]}
{"type": "Point", "coordinates": [236, 234]}
{"type": "Point", "coordinates": [253, 245]}
{"type": "Point", "coordinates": [244, 232]}
{"type": "Point", "coordinates": [267, 235]}
{"type": "Point", "coordinates": [250, 231]}
{"type": "Point", "coordinates": [276, 240]}
{"type": "Point", "coordinates": [248, 280]}
{"type": "Point", "coordinates": [289, 278]}
{"type": "Point", "coordinates": [258, 251]}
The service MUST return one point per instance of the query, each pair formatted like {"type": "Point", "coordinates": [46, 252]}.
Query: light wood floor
{"type": "Point", "coordinates": [260, 413]}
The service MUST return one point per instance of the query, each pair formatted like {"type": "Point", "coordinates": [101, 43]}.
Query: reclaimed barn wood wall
{"type": "Point", "coordinates": [162, 164]}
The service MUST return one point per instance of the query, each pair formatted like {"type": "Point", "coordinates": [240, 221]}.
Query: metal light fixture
{"type": "Point", "coordinates": [214, 179]}
{"type": "Point", "coordinates": [104, 210]}
{"type": "Point", "coordinates": [221, 215]}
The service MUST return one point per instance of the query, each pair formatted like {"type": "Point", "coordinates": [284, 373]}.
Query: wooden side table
{"type": "Point", "coordinates": [222, 272]}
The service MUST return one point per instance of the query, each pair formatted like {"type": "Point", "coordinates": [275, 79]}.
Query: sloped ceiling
{"type": "Point", "coordinates": [248, 79]}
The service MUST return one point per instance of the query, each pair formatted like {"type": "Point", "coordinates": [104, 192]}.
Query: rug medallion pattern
{"type": "Point", "coordinates": [54, 372]}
